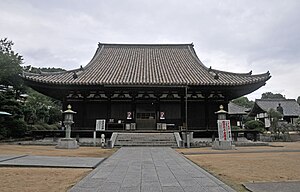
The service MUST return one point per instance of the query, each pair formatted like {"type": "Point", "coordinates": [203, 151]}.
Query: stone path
{"type": "Point", "coordinates": [236, 152]}
{"type": "Point", "coordinates": [149, 169]}
{"type": "Point", "coordinates": [47, 161]}
{"type": "Point", "coordinates": [289, 186]}
{"type": "Point", "coordinates": [9, 157]}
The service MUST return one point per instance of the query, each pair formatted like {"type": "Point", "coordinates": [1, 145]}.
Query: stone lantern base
{"type": "Point", "coordinates": [67, 143]}
{"type": "Point", "coordinates": [223, 145]}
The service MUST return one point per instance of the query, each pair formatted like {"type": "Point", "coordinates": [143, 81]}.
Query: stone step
{"type": "Point", "coordinates": [146, 139]}
{"type": "Point", "coordinates": [144, 145]}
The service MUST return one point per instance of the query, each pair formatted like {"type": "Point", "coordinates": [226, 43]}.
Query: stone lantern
{"type": "Point", "coordinates": [224, 142]}
{"type": "Point", "coordinates": [68, 142]}
{"type": "Point", "coordinates": [221, 113]}
{"type": "Point", "coordinates": [68, 121]}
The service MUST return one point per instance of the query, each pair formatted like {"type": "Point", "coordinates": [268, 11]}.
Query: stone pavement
{"type": "Point", "coordinates": [9, 157]}
{"type": "Point", "coordinates": [290, 186]}
{"type": "Point", "coordinates": [48, 161]}
{"type": "Point", "coordinates": [236, 152]}
{"type": "Point", "coordinates": [149, 169]}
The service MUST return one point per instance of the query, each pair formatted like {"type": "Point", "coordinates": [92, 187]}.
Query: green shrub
{"type": "Point", "coordinates": [236, 128]}
{"type": "Point", "coordinates": [15, 128]}
{"type": "Point", "coordinates": [44, 126]}
{"type": "Point", "coordinates": [55, 126]}
{"type": "Point", "coordinates": [255, 125]}
{"type": "Point", "coordinates": [36, 127]}
{"type": "Point", "coordinates": [3, 132]}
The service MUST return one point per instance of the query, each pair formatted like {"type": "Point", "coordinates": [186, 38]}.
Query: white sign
{"type": "Point", "coordinates": [100, 124]}
{"type": "Point", "coordinates": [224, 130]}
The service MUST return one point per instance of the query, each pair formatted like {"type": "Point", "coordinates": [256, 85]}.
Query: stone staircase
{"type": "Point", "coordinates": [145, 139]}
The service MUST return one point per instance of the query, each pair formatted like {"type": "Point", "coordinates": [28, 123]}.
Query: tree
{"type": "Point", "coordinates": [38, 108]}
{"type": "Point", "coordinates": [298, 100]}
{"type": "Point", "coordinates": [275, 117]}
{"type": "Point", "coordinates": [9, 64]}
{"type": "Point", "coordinates": [32, 69]}
{"type": "Point", "coordinates": [11, 126]}
{"type": "Point", "coordinates": [243, 101]}
{"type": "Point", "coordinates": [41, 109]}
{"type": "Point", "coordinates": [297, 125]}
{"type": "Point", "coordinates": [270, 95]}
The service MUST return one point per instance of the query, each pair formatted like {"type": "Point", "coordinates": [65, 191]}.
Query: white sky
{"type": "Point", "coordinates": [231, 35]}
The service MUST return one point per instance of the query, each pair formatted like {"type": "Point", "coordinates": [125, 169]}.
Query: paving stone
{"type": "Point", "coordinates": [291, 186]}
{"type": "Point", "coordinates": [80, 189]}
{"type": "Point", "coordinates": [10, 157]}
{"type": "Point", "coordinates": [172, 189]}
{"type": "Point", "coordinates": [185, 183]}
{"type": "Point", "coordinates": [47, 161]}
{"type": "Point", "coordinates": [109, 187]}
{"type": "Point", "coordinates": [116, 178]}
{"type": "Point", "coordinates": [131, 181]}
{"type": "Point", "coordinates": [195, 188]}
{"type": "Point", "coordinates": [150, 178]}
{"type": "Point", "coordinates": [101, 175]}
{"type": "Point", "coordinates": [151, 188]}
{"type": "Point", "coordinates": [130, 189]}
{"type": "Point", "coordinates": [216, 189]}
{"type": "Point", "coordinates": [91, 183]}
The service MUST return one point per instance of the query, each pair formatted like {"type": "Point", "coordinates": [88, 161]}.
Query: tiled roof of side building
{"type": "Point", "coordinates": [234, 109]}
{"type": "Point", "coordinates": [290, 106]}
{"type": "Point", "coordinates": [147, 64]}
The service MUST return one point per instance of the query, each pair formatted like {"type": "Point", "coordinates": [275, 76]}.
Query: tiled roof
{"type": "Point", "coordinates": [290, 106]}
{"type": "Point", "coordinates": [142, 64]}
{"type": "Point", "coordinates": [234, 109]}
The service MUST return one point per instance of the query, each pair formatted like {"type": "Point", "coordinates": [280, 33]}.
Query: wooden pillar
{"type": "Point", "coordinates": [182, 102]}
{"type": "Point", "coordinates": [206, 113]}
{"type": "Point", "coordinates": [108, 94]}
{"type": "Point", "coordinates": [84, 109]}
{"type": "Point", "coordinates": [133, 95]}
{"type": "Point", "coordinates": [157, 95]}
{"type": "Point", "coordinates": [64, 106]}
{"type": "Point", "coordinates": [157, 109]}
{"type": "Point", "coordinates": [235, 136]}
{"type": "Point", "coordinates": [133, 109]}
{"type": "Point", "coordinates": [186, 107]}
{"type": "Point", "coordinates": [108, 107]}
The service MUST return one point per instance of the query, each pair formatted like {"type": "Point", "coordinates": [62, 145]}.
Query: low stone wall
{"type": "Point", "coordinates": [242, 142]}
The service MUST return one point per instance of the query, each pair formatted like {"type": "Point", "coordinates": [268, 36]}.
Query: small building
{"type": "Point", "coordinates": [237, 114]}
{"type": "Point", "coordinates": [289, 108]}
{"type": "Point", "coordinates": [146, 87]}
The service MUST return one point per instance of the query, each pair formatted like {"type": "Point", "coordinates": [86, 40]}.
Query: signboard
{"type": "Point", "coordinates": [100, 124]}
{"type": "Point", "coordinates": [224, 130]}
{"type": "Point", "coordinates": [129, 115]}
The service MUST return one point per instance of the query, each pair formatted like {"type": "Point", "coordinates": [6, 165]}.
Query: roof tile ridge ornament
{"type": "Point", "coordinates": [228, 72]}
{"type": "Point", "coordinates": [249, 74]}
{"type": "Point", "coordinates": [183, 45]}
{"type": "Point", "coordinates": [213, 73]}
{"type": "Point", "coordinates": [274, 99]}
